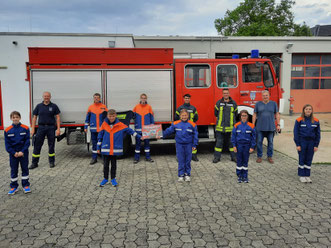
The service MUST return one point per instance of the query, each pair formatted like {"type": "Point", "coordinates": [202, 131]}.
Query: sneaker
{"type": "Point", "coordinates": [27, 189]}
{"type": "Point", "coordinates": [93, 161]}
{"type": "Point", "coordinates": [150, 160]}
{"type": "Point", "coordinates": [12, 191]}
{"type": "Point", "coordinates": [195, 158]}
{"type": "Point", "coordinates": [216, 160]}
{"type": "Point", "coordinates": [33, 166]}
{"type": "Point", "coordinates": [308, 180]}
{"type": "Point", "coordinates": [104, 182]}
{"type": "Point", "coordinates": [113, 182]}
{"type": "Point", "coordinates": [51, 165]}
{"type": "Point", "coordinates": [245, 180]}
{"type": "Point", "coordinates": [239, 179]}
{"type": "Point", "coordinates": [187, 179]}
{"type": "Point", "coordinates": [303, 179]}
{"type": "Point", "coordinates": [259, 160]}
{"type": "Point", "coordinates": [135, 161]}
{"type": "Point", "coordinates": [270, 160]}
{"type": "Point", "coordinates": [180, 179]}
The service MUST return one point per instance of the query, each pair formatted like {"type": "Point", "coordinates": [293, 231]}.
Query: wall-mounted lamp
{"type": "Point", "coordinates": [15, 42]}
{"type": "Point", "coordinates": [288, 46]}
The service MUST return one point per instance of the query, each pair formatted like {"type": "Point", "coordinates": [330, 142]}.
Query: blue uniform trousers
{"type": "Point", "coordinates": [14, 164]}
{"type": "Point", "coordinates": [242, 160]}
{"type": "Point", "coordinates": [146, 148]}
{"type": "Point", "coordinates": [184, 156]}
{"type": "Point", "coordinates": [42, 132]}
{"type": "Point", "coordinates": [259, 144]}
{"type": "Point", "coordinates": [94, 139]}
{"type": "Point", "coordinates": [305, 158]}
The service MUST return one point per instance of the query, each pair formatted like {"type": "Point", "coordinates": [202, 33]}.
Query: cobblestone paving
{"type": "Point", "coordinates": [151, 209]}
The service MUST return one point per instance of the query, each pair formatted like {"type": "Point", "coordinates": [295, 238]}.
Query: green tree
{"type": "Point", "coordinates": [261, 18]}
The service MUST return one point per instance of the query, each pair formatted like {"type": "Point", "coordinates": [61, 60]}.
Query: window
{"type": "Point", "coordinates": [298, 59]}
{"type": "Point", "coordinates": [311, 71]}
{"type": "Point", "coordinates": [197, 76]}
{"type": "Point", "coordinates": [312, 83]}
{"type": "Point", "coordinates": [297, 84]}
{"type": "Point", "coordinates": [268, 80]}
{"type": "Point", "coordinates": [251, 73]}
{"type": "Point", "coordinates": [325, 83]}
{"type": "Point", "coordinates": [227, 76]}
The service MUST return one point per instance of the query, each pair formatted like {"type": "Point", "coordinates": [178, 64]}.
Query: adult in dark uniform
{"type": "Point", "coordinates": [226, 114]}
{"type": "Point", "coordinates": [48, 115]}
{"type": "Point", "coordinates": [193, 116]}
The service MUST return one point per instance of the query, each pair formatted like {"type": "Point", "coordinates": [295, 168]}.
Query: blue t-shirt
{"type": "Point", "coordinates": [265, 114]}
{"type": "Point", "coordinates": [46, 113]}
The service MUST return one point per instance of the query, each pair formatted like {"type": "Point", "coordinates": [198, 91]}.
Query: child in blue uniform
{"type": "Point", "coordinates": [110, 144]}
{"type": "Point", "coordinates": [186, 141]}
{"type": "Point", "coordinates": [307, 136]}
{"type": "Point", "coordinates": [17, 141]}
{"type": "Point", "coordinates": [243, 140]}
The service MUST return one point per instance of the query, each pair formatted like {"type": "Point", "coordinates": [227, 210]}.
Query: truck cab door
{"type": "Point", "coordinates": [251, 85]}
{"type": "Point", "coordinates": [196, 79]}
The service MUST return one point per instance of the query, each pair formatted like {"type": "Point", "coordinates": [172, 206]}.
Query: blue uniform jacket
{"type": "Point", "coordinates": [95, 116]}
{"type": "Point", "coordinates": [304, 129]}
{"type": "Point", "coordinates": [17, 138]}
{"type": "Point", "coordinates": [143, 115]}
{"type": "Point", "coordinates": [186, 132]}
{"type": "Point", "coordinates": [110, 137]}
{"type": "Point", "coordinates": [243, 133]}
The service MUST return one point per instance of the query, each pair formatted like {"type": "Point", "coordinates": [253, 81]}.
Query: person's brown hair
{"type": "Point", "coordinates": [97, 94]}
{"type": "Point", "coordinates": [111, 112]}
{"type": "Point", "coordinates": [15, 113]}
{"type": "Point", "coordinates": [312, 113]}
{"type": "Point", "coordinates": [143, 94]}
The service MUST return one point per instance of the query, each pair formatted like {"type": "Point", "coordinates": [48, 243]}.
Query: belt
{"type": "Point", "coordinates": [46, 125]}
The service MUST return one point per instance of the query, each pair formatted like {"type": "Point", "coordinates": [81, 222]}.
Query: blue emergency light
{"type": "Point", "coordinates": [235, 56]}
{"type": "Point", "coordinates": [255, 54]}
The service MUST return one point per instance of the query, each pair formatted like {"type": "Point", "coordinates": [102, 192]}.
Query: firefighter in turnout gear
{"type": "Point", "coordinates": [193, 116]}
{"type": "Point", "coordinates": [226, 114]}
{"type": "Point", "coordinates": [95, 116]}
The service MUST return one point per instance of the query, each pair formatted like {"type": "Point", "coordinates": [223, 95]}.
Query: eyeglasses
{"type": "Point", "coordinates": [244, 115]}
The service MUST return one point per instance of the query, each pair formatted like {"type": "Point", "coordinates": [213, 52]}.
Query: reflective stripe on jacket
{"type": "Point", "coordinates": [304, 129]}
{"type": "Point", "coordinates": [226, 113]}
{"type": "Point", "coordinates": [110, 137]}
{"type": "Point", "coordinates": [17, 138]}
{"type": "Point", "coordinates": [193, 113]}
{"type": "Point", "coordinates": [143, 115]}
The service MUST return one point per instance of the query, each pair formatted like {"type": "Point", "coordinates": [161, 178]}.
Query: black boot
{"type": "Point", "coordinates": [216, 160]}
{"type": "Point", "coordinates": [93, 161]}
{"type": "Point", "coordinates": [195, 157]}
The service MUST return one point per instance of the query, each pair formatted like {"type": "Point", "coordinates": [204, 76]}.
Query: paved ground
{"type": "Point", "coordinates": [150, 209]}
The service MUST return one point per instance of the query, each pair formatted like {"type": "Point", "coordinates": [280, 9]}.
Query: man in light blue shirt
{"type": "Point", "coordinates": [265, 113]}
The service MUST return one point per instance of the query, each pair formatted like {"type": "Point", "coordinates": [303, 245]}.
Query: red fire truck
{"type": "Point", "coordinates": [73, 75]}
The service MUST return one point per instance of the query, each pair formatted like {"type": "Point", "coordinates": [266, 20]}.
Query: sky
{"type": "Point", "coordinates": [139, 17]}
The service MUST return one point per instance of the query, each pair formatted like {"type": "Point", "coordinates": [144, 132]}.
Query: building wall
{"type": "Point", "coordinates": [15, 90]}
